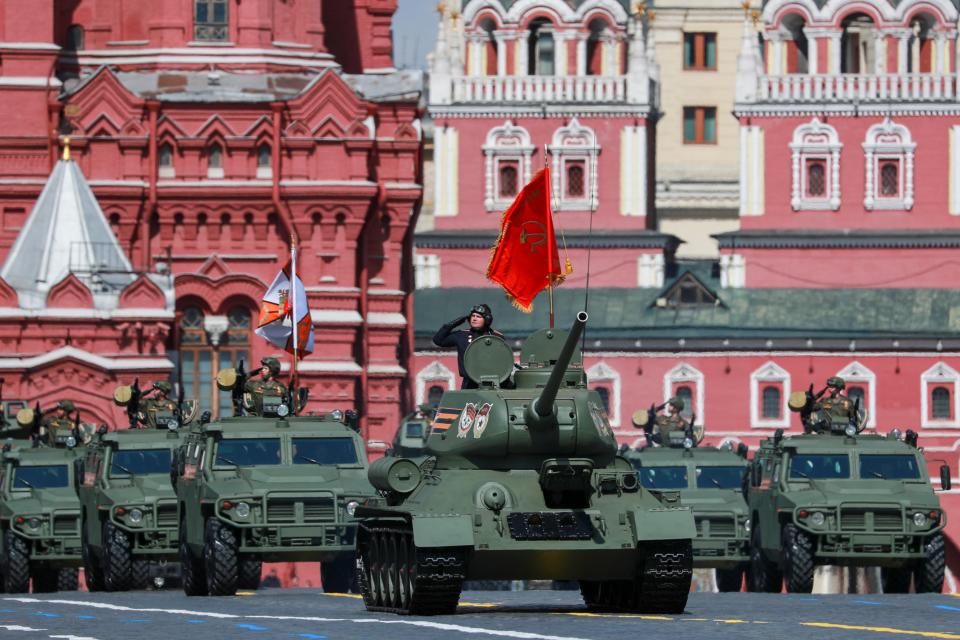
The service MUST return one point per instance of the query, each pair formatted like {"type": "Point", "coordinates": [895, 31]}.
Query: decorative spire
{"type": "Point", "coordinates": [66, 147]}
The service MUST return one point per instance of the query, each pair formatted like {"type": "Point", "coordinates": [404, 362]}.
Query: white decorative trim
{"type": "Point", "coordinates": [953, 181]}
{"type": "Point", "coordinates": [511, 143]}
{"type": "Point", "coordinates": [751, 170]}
{"type": "Point", "coordinates": [684, 372]}
{"type": "Point", "coordinates": [386, 319]}
{"type": "Point", "coordinates": [633, 171]}
{"type": "Point", "coordinates": [886, 141]}
{"type": "Point", "coordinates": [446, 169]}
{"type": "Point", "coordinates": [101, 362]}
{"type": "Point", "coordinates": [889, 12]}
{"type": "Point", "coordinates": [426, 270]}
{"type": "Point", "coordinates": [434, 372]}
{"type": "Point", "coordinates": [856, 372]}
{"type": "Point", "coordinates": [939, 374]}
{"type": "Point", "coordinates": [575, 142]}
{"type": "Point", "coordinates": [602, 372]}
{"type": "Point", "coordinates": [733, 271]}
{"type": "Point", "coordinates": [815, 141]}
{"type": "Point", "coordinates": [650, 270]}
{"type": "Point", "coordinates": [770, 372]}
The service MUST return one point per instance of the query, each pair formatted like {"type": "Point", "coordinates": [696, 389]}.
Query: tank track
{"type": "Point", "coordinates": [395, 576]}
{"type": "Point", "coordinates": [662, 585]}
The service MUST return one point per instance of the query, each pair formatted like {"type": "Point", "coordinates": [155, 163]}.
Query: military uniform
{"type": "Point", "coordinates": [264, 396]}
{"type": "Point", "coordinates": [446, 336]}
{"type": "Point", "coordinates": [156, 413]}
{"type": "Point", "coordinates": [54, 430]}
{"type": "Point", "coordinates": [836, 408]}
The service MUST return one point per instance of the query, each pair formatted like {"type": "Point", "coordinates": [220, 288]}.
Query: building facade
{"type": "Point", "coordinates": [205, 135]}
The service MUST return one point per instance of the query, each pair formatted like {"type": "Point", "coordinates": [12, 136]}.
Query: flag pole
{"type": "Point", "coordinates": [549, 248]}
{"type": "Point", "coordinates": [295, 378]}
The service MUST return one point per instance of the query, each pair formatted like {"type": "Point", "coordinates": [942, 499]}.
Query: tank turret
{"type": "Point", "coordinates": [542, 412]}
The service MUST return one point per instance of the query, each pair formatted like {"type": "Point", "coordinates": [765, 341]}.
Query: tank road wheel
{"type": "Point", "coordinates": [798, 559]}
{"type": "Point", "coordinates": [220, 558]}
{"type": "Point", "coordinates": [191, 569]}
{"type": "Point", "coordinates": [429, 585]}
{"type": "Point", "coordinates": [92, 572]}
{"type": "Point", "coordinates": [68, 579]}
{"type": "Point", "coordinates": [896, 580]}
{"type": "Point", "coordinates": [117, 563]}
{"type": "Point", "coordinates": [929, 573]}
{"type": "Point", "coordinates": [140, 574]}
{"type": "Point", "coordinates": [15, 564]}
{"type": "Point", "coordinates": [763, 576]}
{"type": "Point", "coordinates": [666, 570]}
{"type": "Point", "coordinates": [729, 579]}
{"type": "Point", "coordinates": [250, 569]}
{"type": "Point", "coordinates": [44, 580]}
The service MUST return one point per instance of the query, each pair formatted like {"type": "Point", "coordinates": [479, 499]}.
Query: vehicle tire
{"type": "Point", "coordinates": [192, 574]}
{"type": "Point", "coordinates": [68, 579]}
{"type": "Point", "coordinates": [730, 580]}
{"type": "Point", "coordinates": [140, 573]}
{"type": "Point", "coordinates": [15, 564]}
{"type": "Point", "coordinates": [896, 580]}
{"type": "Point", "coordinates": [250, 570]}
{"type": "Point", "coordinates": [117, 562]}
{"type": "Point", "coordinates": [797, 559]}
{"type": "Point", "coordinates": [92, 571]}
{"type": "Point", "coordinates": [220, 558]}
{"type": "Point", "coordinates": [339, 575]}
{"type": "Point", "coordinates": [929, 573]}
{"type": "Point", "coordinates": [44, 580]}
{"type": "Point", "coordinates": [763, 575]}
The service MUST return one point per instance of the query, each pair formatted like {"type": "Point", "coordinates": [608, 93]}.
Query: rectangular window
{"type": "Point", "coordinates": [210, 20]}
{"type": "Point", "coordinates": [816, 178]}
{"type": "Point", "coordinates": [889, 178]}
{"type": "Point", "coordinates": [699, 125]}
{"type": "Point", "coordinates": [575, 179]}
{"type": "Point", "coordinates": [700, 51]}
{"type": "Point", "coordinates": [508, 178]}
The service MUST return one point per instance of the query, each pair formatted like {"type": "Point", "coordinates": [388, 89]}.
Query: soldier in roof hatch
{"type": "Point", "coordinates": [480, 321]}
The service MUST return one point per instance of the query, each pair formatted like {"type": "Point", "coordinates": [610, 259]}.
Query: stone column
{"type": "Point", "coordinates": [940, 66]}
{"type": "Point", "coordinates": [775, 57]}
{"type": "Point", "coordinates": [522, 56]}
{"type": "Point", "coordinates": [503, 41]}
{"type": "Point", "coordinates": [582, 53]}
{"type": "Point", "coordinates": [560, 39]}
{"type": "Point", "coordinates": [835, 53]}
{"type": "Point", "coordinates": [813, 51]}
{"type": "Point", "coordinates": [607, 52]}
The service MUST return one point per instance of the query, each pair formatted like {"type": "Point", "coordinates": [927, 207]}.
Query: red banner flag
{"type": "Point", "coordinates": [525, 257]}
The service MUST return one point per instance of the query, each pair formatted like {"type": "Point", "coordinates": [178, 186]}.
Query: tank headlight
{"type": "Point", "coordinates": [135, 516]}
{"type": "Point", "coordinates": [71, 442]}
{"type": "Point", "coordinates": [688, 443]}
{"type": "Point", "coordinates": [920, 519]}
{"type": "Point", "coordinates": [747, 525]}
{"type": "Point", "coordinates": [173, 425]}
{"type": "Point", "coordinates": [352, 507]}
{"type": "Point", "coordinates": [817, 518]}
{"type": "Point", "coordinates": [896, 434]}
{"type": "Point", "coordinates": [33, 523]}
{"type": "Point", "coordinates": [282, 410]}
{"type": "Point", "coordinates": [242, 510]}
{"type": "Point", "coordinates": [851, 430]}
{"type": "Point", "coordinates": [337, 415]}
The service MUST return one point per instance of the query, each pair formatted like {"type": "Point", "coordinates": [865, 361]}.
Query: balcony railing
{"type": "Point", "coordinates": [908, 87]}
{"type": "Point", "coordinates": [538, 89]}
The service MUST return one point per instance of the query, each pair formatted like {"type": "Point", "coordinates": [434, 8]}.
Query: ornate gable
{"type": "Point", "coordinates": [70, 293]}
{"type": "Point", "coordinates": [103, 95]}
{"type": "Point", "coordinates": [328, 97]}
{"type": "Point", "coordinates": [142, 293]}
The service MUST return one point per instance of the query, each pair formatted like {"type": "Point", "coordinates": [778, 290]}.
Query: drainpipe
{"type": "Point", "coordinates": [153, 108]}
{"type": "Point", "coordinates": [364, 253]}
{"type": "Point", "coordinates": [282, 210]}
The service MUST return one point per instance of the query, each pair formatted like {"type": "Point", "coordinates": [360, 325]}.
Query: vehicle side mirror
{"type": "Point", "coordinates": [743, 450]}
{"type": "Point", "coordinates": [945, 477]}
{"type": "Point", "coordinates": [755, 474]}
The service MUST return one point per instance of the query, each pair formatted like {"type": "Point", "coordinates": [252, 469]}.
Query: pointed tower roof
{"type": "Point", "coordinates": [66, 233]}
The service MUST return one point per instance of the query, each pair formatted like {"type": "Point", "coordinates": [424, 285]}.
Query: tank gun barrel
{"type": "Point", "coordinates": [543, 405]}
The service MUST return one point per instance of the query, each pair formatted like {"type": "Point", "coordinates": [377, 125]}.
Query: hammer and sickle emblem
{"type": "Point", "coordinates": [533, 233]}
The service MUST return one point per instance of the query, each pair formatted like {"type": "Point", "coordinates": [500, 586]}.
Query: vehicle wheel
{"type": "Point", "coordinates": [140, 572]}
{"type": "Point", "coordinates": [663, 581]}
{"type": "Point", "coordinates": [192, 573]}
{"type": "Point", "coordinates": [44, 580]}
{"type": "Point", "coordinates": [798, 559]}
{"type": "Point", "coordinates": [339, 575]}
{"type": "Point", "coordinates": [220, 558]}
{"type": "Point", "coordinates": [928, 575]}
{"type": "Point", "coordinates": [117, 563]}
{"type": "Point", "coordinates": [68, 579]}
{"type": "Point", "coordinates": [15, 564]}
{"type": "Point", "coordinates": [729, 579]}
{"type": "Point", "coordinates": [763, 576]}
{"type": "Point", "coordinates": [92, 571]}
{"type": "Point", "coordinates": [250, 570]}
{"type": "Point", "coordinates": [896, 580]}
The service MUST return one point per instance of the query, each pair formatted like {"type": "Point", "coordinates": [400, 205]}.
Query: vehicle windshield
{"type": "Point", "coordinates": [139, 462]}
{"type": "Point", "coordinates": [819, 465]}
{"type": "Point", "coordinates": [720, 477]}
{"type": "Point", "coordinates": [889, 467]}
{"type": "Point", "coordinates": [414, 429]}
{"type": "Point", "coordinates": [248, 452]}
{"type": "Point", "coordinates": [663, 477]}
{"type": "Point", "coordinates": [324, 451]}
{"type": "Point", "coordinates": [41, 477]}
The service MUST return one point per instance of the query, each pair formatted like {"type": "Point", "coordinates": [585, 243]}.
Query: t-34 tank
{"type": "Point", "coordinates": [522, 480]}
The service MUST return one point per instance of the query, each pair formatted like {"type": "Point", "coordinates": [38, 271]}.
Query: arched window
{"type": "Point", "coordinates": [196, 358]}
{"type": "Point", "coordinates": [815, 158]}
{"type": "Point", "coordinates": [941, 403]}
{"type": "Point", "coordinates": [207, 345]}
{"type": "Point", "coordinates": [685, 393]}
{"type": "Point", "coordinates": [599, 39]}
{"type": "Point", "coordinates": [234, 347]}
{"type": "Point", "coordinates": [487, 49]}
{"type": "Point", "coordinates": [890, 179]}
{"type": "Point", "coordinates": [210, 20]}
{"type": "Point", "coordinates": [888, 156]}
{"type": "Point", "coordinates": [165, 156]}
{"type": "Point", "coordinates": [574, 151]}
{"type": "Point", "coordinates": [604, 394]}
{"type": "Point", "coordinates": [816, 178]}
{"type": "Point", "coordinates": [541, 48]}
{"type": "Point", "coordinates": [771, 402]}
{"type": "Point", "coordinates": [507, 152]}
{"type": "Point", "coordinates": [215, 161]}
{"type": "Point", "coordinates": [857, 48]}
{"type": "Point", "coordinates": [856, 393]}
{"type": "Point", "coordinates": [434, 395]}
{"type": "Point", "coordinates": [74, 38]}
{"type": "Point", "coordinates": [264, 157]}
{"type": "Point", "coordinates": [508, 178]}
{"type": "Point", "coordinates": [795, 43]}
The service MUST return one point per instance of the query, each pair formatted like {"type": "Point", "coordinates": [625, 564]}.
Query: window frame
{"type": "Point", "coordinates": [700, 125]}
{"type": "Point", "coordinates": [505, 143]}
{"type": "Point", "coordinates": [769, 375]}
{"type": "Point", "coordinates": [578, 143]}
{"type": "Point", "coordinates": [211, 30]}
{"type": "Point", "coordinates": [887, 142]}
{"type": "Point", "coordinates": [701, 38]}
{"type": "Point", "coordinates": [815, 141]}
{"type": "Point", "coordinates": [939, 375]}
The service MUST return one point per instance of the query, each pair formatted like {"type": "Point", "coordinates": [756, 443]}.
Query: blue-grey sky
{"type": "Point", "coordinates": [414, 33]}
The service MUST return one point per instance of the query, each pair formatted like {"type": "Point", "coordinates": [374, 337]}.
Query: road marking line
{"type": "Point", "coordinates": [462, 604]}
{"type": "Point", "coordinates": [902, 632]}
{"type": "Point", "coordinates": [504, 633]}
{"type": "Point", "coordinates": [246, 593]}
{"type": "Point", "coordinates": [587, 614]}
{"type": "Point", "coordinates": [730, 621]}
{"type": "Point", "coordinates": [947, 607]}
{"type": "Point", "coordinates": [69, 637]}
{"type": "Point", "coordinates": [17, 627]}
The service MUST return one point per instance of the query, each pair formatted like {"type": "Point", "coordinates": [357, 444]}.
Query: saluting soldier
{"type": "Point", "coordinates": [266, 390]}
{"type": "Point", "coordinates": [57, 425]}
{"type": "Point", "coordinates": [836, 404]}
{"type": "Point", "coordinates": [672, 421]}
{"type": "Point", "coordinates": [480, 321]}
{"type": "Point", "coordinates": [158, 410]}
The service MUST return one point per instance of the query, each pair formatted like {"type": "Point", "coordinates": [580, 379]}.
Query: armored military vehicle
{"type": "Point", "coordinates": [410, 439]}
{"type": "Point", "coordinates": [521, 483]}
{"type": "Point", "coordinates": [841, 497]}
{"type": "Point", "coordinates": [39, 519]}
{"type": "Point", "coordinates": [710, 482]}
{"type": "Point", "coordinates": [129, 510]}
{"type": "Point", "coordinates": [255, 489]}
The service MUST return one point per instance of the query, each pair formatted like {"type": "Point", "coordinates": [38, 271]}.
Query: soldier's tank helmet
{"type": "Point", "coordinates": [66, 405]}
{"type": "Point", "coordinates": [677, 403]}
{"type": "Point", "coordinates": [483, 310]}
{"type": "Point", "coordinates": [163, 386]}
{"type": "Point", "coordinates": [272, 364]}
{"type": "Point", "coordinates": [836, 382]}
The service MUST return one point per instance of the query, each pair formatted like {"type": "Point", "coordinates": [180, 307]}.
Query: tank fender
{"type": "Point", "coordinates": [664, 523]}
{"type": "Point", "coordinates": [442, 530]}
